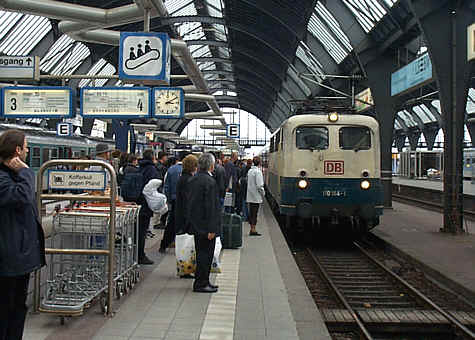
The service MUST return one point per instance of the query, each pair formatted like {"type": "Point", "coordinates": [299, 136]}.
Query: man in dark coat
{"type": "Point", "coordinates": [149, 171]}
{"type": "Point", "coordinates": [22, 247]}
{"type": "Point", "coordinates": [161, 167]}
{"type": "Point", "coordinates": [220, 177]}
{"type": "Point", "coordinates": [203, 215]}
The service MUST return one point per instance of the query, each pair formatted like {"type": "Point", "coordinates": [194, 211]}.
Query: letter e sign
{"type": "Point", "coordinates": [64, 129]}
{"type": "Point", "coordinates": [232, 131]}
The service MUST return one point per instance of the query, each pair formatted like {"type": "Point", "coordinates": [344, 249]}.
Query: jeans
{"type": "Point", "coordinates": [245, 211]}
{"type": "Point", "coordinates": [14, 291]}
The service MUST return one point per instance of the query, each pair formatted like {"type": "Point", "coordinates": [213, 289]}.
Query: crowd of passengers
{"type": "Point", "coordinates": [195, 188]}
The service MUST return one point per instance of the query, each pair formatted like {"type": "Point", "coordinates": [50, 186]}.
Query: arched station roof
{"type": "Point", "coordinates": [252, 53]}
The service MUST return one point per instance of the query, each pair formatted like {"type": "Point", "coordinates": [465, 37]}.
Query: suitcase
{"type": "Point", "coordinates": [232, 231]}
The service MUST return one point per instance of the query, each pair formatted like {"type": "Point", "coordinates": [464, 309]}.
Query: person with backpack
{"type": "Point", "coordinates": [148, 172]}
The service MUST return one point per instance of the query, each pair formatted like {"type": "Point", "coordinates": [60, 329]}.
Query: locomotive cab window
{"type": "Point", "coordinates": [312, 138]}
{"type": "Point", "coordinates": [355, 138]}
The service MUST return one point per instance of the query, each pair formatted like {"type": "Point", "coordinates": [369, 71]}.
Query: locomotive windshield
{"type": "Point", "coordinates": [312, 138]}
{"type": "Point", "coordinates": [355, 138]}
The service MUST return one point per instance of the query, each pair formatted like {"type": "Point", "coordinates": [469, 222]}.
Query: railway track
{"type": "Point", "coordinates": [377, 301]}
{"type": "Point", "coordinates": [470, 214]}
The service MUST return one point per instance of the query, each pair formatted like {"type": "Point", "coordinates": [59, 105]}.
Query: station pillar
{"type": "Point", "coordinates": [444, 25]}
{"type": "Point", "coordinates": [379, 80]}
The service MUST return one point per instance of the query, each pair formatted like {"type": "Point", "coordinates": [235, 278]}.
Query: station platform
{"type": "Point", "coordinates": [468, 186]}
{"type": "Point", "coordinates": [415, 232]}
{"type": "Point", "coordinates": [262, 295]}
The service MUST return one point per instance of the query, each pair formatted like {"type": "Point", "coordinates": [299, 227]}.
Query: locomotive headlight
{"type": "Point", "coordinates": [302, 184]}
{"type": "Point", "coordinates": [365, 185]}
{"type": "Point", "coordinates": [333, 117]}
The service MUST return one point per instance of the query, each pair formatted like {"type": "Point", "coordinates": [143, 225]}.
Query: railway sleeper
{"type": "Point", "coordinates": [386, 304]}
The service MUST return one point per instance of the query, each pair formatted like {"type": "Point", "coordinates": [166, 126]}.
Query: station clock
{"type": "Point", "coordinates": [169, 102]}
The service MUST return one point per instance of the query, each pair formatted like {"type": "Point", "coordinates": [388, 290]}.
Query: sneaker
{"type": "Point", "coordinates": [145, 260]}
{"type": "Point", "coordinates": [150, 234]}
{"type": "Point", "coordinates": [254, 233]}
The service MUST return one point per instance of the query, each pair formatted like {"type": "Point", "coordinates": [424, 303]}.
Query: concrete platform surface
{"type": "Point", "coordinates": [468, 186]}
{"type": "Point", "coordinates": [262, 295]}
{"type": "Point", "coordinates": [415, 231]}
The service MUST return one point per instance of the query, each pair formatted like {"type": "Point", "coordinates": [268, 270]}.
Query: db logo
{"type": "Point", "coordinates": [334, 167]}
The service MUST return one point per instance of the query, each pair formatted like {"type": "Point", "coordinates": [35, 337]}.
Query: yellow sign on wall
{"type": "Point", "coordinates": [471, 42]}
{"type": "Point", "coordinates": [366, 100]}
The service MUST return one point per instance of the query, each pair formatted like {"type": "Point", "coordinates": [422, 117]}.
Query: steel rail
{"type": "Point", "coordinates": [364, 331]}
{"type": "Point", "coordinates": [467, 213]}
{"type": "Point", "coordinates": [416, 292]}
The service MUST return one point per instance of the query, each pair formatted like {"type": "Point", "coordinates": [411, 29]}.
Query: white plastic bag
{"type": "Point", "coordinates": [229, 199]}
{"type": "Point", "coordinates": [156, 201]}
{"type": "Point", "coordinates": [216, 265]}
{"type": "Point", "coordinates": [185, 254]}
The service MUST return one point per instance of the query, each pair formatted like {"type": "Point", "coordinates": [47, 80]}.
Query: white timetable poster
{"type": "Point", "coordinates": [115, 102]}
{"type": "Point", "coordinates": [30, 102]}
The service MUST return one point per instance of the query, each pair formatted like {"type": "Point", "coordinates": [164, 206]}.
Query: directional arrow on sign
{"type": "Point", "coordinates": [29, 61]}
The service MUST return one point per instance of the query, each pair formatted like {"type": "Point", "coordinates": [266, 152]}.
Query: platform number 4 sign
{"type": "Point", "coordinates": [232, 131]}
{"type": "Point", "coordinates": [64, 129]}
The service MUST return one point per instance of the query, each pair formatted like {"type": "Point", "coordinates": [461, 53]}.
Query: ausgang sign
{"type": "Point", "coordinates": [76, 180]}
{"type": "Point", "coordinates": [20, 68]}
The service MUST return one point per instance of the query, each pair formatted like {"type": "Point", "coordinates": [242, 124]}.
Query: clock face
{"type": "Point", "coordinates": [168, 102]}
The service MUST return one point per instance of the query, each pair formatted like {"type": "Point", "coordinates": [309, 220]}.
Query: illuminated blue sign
{"type": "Point", "coordinates": [414, 74]}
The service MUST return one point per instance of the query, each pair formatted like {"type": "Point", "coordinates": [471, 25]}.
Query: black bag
{"type": "Point", "coordinates": [231, 237]}
{"type": "Point", "coordinates": [132, 186]}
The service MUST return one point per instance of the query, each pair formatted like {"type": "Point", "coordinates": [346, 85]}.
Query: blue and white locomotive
{"type": "Point", "coordinates": [326, 167]}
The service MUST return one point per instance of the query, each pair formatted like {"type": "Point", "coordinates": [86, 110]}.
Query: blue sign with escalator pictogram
{"type": "Point", "coordinates": [144, 57]}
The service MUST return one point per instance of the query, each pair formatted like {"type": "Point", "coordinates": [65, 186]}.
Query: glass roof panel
{"type": "Point", "coordinates": [207, 66]}
{"type": "Point", "coordinates": [214, 8]}
{"type": "Point", "coordinates": [319, 30]}
{"type": "Point", "coordinates": [368, 12]}
{"type": "Point", "coordinates": [312, 64]}
{"type": "Point", "coordinates": [101, 67]}
{"type": "Point", "coordinates": [202, 52]}
{"type": "Point", "coordinates": [331, 22]}
{"type": "Point", "coordinates": [471, 101]}
{"type": "Point", "coordinates": [120, 83]}
{"type": "Point", "coordinates": [25, 35]}
{"type": "Point", "coordinates": [436, 104]}
{"type": "Point", "coordinates": [224, 52]}
{"type": "Point", "coordinates": [188, 10]}
{"type": "Point", "coordinates": [55, 52]}
{"type": "Point", "coordinates": [7, 21]}
{"type": "Point", "coordinates": [397, 125]}
{"type": "Point", "coordinates": [428, 113]}
{"type": "Point", "coordinates": [175, 5]}
{"type": "Point", "coordinates": [407, 118]}
{"type": "Point", "coordinates": [73, 59]}
{"type": "Point", "coordinates": [227, 67]}
{"type": "Point", "coordinates": [190, 31]}
{"type": "Point", "coordinates": [422, 115]}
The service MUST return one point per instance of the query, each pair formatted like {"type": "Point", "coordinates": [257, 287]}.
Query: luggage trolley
{"type": "Point", "coordinates": [93, 250]}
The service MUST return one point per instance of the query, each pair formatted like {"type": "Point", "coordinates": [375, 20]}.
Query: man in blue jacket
{"type": "Point", "coordinates": [149, 171]}
{"type": "Point", "coordinates": [169, 188]}
{"type": "Point", "coordinates": [22, 247]}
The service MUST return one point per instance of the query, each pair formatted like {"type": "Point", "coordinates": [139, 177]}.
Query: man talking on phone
{"type": "Point", "coordinates": [22, 247]}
